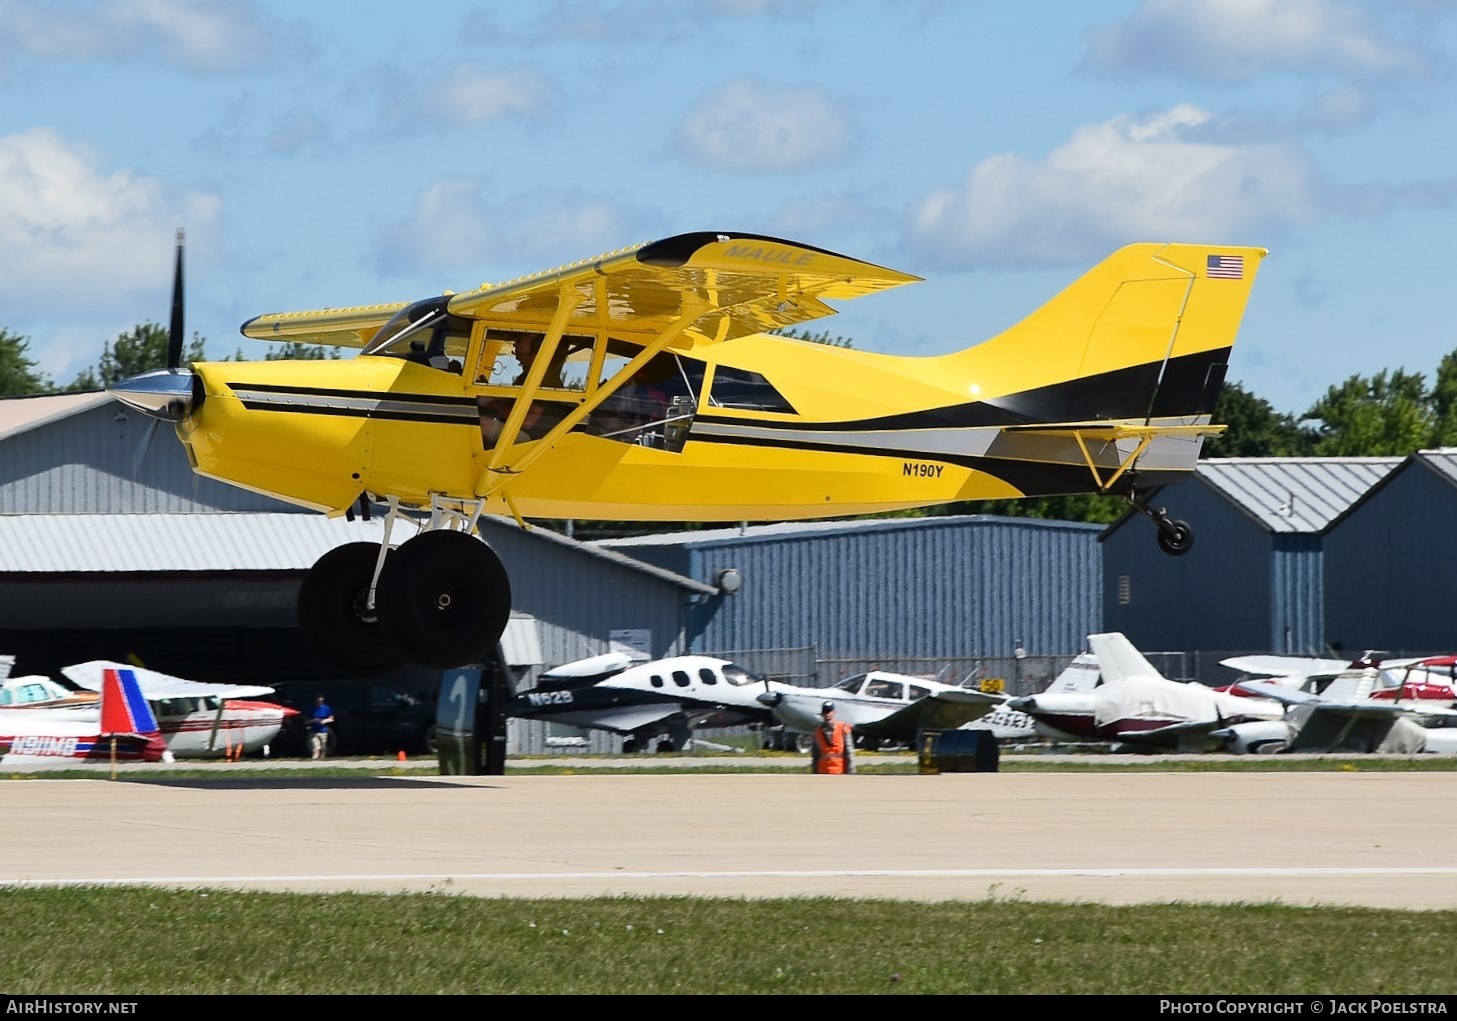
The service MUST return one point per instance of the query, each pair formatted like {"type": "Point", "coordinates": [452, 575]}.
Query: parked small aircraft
{"type": "Point", "coordinates": [881, 706]}
{"type": "Point", "coordinates": [1406, 706]}
{"type": "Point", "coordinates": [663, 700]}
{"type": "Point", "coordinates": [1010, 725]}
{"type": "Point", "coordinates": [123, 729]}
{"type": "Point", "coordinates": [198, 720]}
{"type": "Point", "coordinates": [645, 385]}
{"type": "Point", "coordinates": [1139, 707]}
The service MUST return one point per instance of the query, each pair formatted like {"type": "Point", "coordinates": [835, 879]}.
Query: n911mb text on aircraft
{"type": "Point", "coordinates": [646, 385]}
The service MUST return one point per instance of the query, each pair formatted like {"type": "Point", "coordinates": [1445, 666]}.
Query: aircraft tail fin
{"type": "Point", "coordinates": [1118, 659]}
{"type": "Point", "coordinates": [1148, 332]}
{"type": "Point", "coordinates": [1081, 675]}
{"type": "Point", "coordinates": [124, 710]}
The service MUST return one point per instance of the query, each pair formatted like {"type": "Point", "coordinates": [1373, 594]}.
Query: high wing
{"type": "Point", "coordinates": [1286, 666]}
{"type": "Point", "coordinates": [724, 285]}
{"type": "Point", "coordinates": [155, 685]}
{"type": "Point", "coordinates": [940, 710]}
{"type": "Point", "coordinates": [1360, 708]}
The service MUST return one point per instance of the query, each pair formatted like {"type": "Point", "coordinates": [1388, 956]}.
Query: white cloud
{"type": "Point", "coordinates": [1128, 179]}
{"type": "Point", "coordinates": [1234, 40]}
{"type": "Point", "coordinates": [462, 96]}
{"type": "Point", "coordinates": [451, 229]}
{"type": "Point", "coordinates": [79, 235]}
{"type": "Point", "coordinates": [196, 35]}
{"type": "Point", "coordinates": [749, 125]}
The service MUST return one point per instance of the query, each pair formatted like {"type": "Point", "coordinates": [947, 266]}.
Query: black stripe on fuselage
{"type": "Point", "coordinates": [1189, 388]}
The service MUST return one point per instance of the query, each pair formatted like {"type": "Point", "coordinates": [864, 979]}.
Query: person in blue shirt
{"type": "Point", "coordinates": [319, 721]}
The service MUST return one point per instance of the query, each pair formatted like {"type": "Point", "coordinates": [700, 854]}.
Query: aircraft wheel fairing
{"type": "Point", "coordinates": [445, 598]}
{"type": "Point", "coordinates": [1177, 539]}
{"type": "Point", "coordinates": [331, 609]}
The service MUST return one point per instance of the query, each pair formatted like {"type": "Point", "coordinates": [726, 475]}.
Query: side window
{"type": "Point", "coordinates": [508, 354]}
{"type": "Point", "coordinates": [884, 689]}
{"type": "Point", "coordinates": [919, 692]}
{"type": "Point", "coordinates": [746, 391]}
{"type": "Point", "coordinates": [654, 408]}
{"type": "Point", "coordinates": [680, 678]}
{"type": "Point", "coordinates": [707, 676]}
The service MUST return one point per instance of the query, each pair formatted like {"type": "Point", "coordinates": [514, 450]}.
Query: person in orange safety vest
{"type": "Point", "coordinates": [834, 747]}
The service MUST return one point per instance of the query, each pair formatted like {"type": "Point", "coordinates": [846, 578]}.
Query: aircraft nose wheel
{"type": "Point", "coordinates": [333, 609]}
{"type": "Point", "coordinates": [445, 598]}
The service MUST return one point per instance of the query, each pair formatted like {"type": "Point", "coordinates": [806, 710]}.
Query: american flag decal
{"type": "Point", "coordinates": [1225, 267]}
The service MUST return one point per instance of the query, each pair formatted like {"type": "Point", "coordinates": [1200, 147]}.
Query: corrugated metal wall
{"type": "Point", "coordinates": [951, 586]}
{"type": "Point", "coordinates": [1388, 565]}
{"type": "Point", "coordinates": [87, 463]}
{"type": "Point", "coordinates": [1216, 596]}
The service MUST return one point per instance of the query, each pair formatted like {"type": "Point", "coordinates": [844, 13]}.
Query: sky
{"type": "Point", "coordinates": [335, 154]}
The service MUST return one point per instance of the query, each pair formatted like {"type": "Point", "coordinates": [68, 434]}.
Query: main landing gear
{"type": "Point", "coordinates": [1175, 537]}
{"type": "Point", "coordinates": [441, 599]}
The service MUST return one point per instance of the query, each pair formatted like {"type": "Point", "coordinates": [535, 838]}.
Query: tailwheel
{"type": "Point", "coordinates": [333, 608]}
{"type": "Point", "coordinates": [445, 598]}
{"type": "Point", "coordinates": [1175, 537]}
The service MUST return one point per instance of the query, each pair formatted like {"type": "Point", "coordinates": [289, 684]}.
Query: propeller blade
{"type": "Point", "coordinates": [141, 455]}
{"type": "Point", "coordinates": [175, 331]}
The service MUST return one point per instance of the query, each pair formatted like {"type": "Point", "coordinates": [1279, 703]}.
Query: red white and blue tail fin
{"type": "Point", "coordinates": [123, 708]}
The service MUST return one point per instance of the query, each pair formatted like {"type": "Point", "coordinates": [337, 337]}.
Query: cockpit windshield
{"type": "Point", "coordinates": [735, 674]}
{"type": "Point", "coordinates": [851, 684]}
{"type": "Point", "coordinates": [424, 332]}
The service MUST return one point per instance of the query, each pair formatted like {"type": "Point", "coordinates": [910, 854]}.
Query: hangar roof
{"type": "Point", "coordinates": [19, 414]}
{"type": "Point", "coordinates": [150, 543]}
{"type": "Point", "coordinates": [1295, 494]}
{"type": "Point", "coordinates": [799, 529]}
{"type": "Point", "coordinates": [238, 541]}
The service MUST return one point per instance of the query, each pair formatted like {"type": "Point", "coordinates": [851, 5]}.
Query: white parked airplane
{"type": "Point", "coordinates": [1139, 707]}
{"type": "Point", "coordinates": [881, 706]}
{"type": "Point", "coordinates": [661, 701]}
{"type": "Point", "coordinates": [198, 720]}
{"type": "Point", "coordinates": [120, 729]}
{"type": "Point", "coordinates": [1350, 714]}
{"type": "Point", "coordinates": [1010, 725]}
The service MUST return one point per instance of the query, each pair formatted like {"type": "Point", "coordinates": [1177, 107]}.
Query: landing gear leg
{"type": "Point", "coordinates": [1175, 537]}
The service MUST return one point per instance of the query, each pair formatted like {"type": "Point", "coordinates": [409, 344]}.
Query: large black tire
{"type": "Point", "coordinates": [332, 610]}
{"type": "Point", "coordinates": [445, 598]}
{"type": "Point", "coordinates": [1177, 539]}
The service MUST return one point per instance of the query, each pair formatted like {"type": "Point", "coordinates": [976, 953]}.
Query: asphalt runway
{"type": "Point", "coordinates": [1374, 839]}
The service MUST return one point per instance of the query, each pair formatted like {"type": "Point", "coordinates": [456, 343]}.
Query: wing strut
{"type": "Point", "coordinates": [496, 473]}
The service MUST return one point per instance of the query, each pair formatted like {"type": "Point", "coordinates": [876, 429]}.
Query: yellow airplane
{"type": "Point", "coordinates": [644, 385]}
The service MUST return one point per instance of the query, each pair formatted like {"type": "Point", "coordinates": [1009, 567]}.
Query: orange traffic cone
{"type": "Point", "coordinates": [402, 755]}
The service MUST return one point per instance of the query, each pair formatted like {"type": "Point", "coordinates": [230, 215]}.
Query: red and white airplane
{"type": "Point", "coordinates": [121, 729]}
{"type": "Point", "coordinates": [198, 720]}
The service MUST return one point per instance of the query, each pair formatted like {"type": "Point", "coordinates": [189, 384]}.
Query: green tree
{"type": "Point", "coordinates": [141, 349]}
{"type": "Point", "coordinates": [290, 352]}
{"type": "Point", "coordinates": [822, 337]}
{"type": "Point", "coordinates": [1256, 429]}
{"type": "Point", "coordinates": [17, 369]}
{"type": "Point", "coordinates": [1443, 400]}
{"type": "Point", "coordinates": [1388, 414]}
